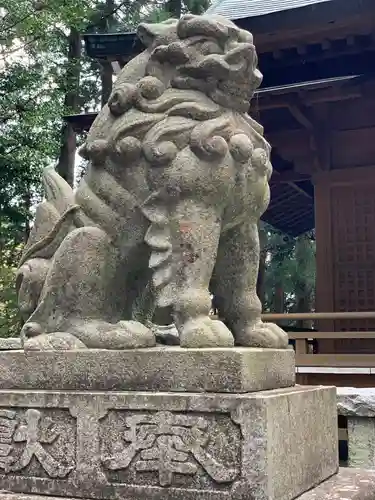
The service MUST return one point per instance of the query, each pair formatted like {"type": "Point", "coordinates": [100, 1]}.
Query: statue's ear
{"type": "Point", "coordinates": [146, 34]}
{"type": "Point", "coordinates": [165, 32]}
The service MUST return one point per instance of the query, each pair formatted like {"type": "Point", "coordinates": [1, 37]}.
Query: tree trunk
{"type": "Point", "coordinates": [66, 163]}
{"type": "Point", "coordinates": [174, 8]}
{"type": "Point", "coordinates": [303, 290]}
{"type": "Point", "coordinates": [106, 73]}
{"type": "Point", "coordinates": [279, 299]}
{"type": "Point", "coordinates": [27, 201]}
{"type": "Point", "coordinates": [262, 264]}
{"type": "Point", "coordinates": [303, 303]}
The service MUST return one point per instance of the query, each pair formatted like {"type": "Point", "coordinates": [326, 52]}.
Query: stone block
{"type": "Point", "coordinates": [358, 405]}
{"type": "Point", "coordinates": [271, 445]}
{"type": "Point", "coordinates": [361, 442]}
{"type": "Point", "coordinates": [10, 344]}
{"type": "Point", "coordinates": [356, 402]}
{"type": "Point", "coordinates": [173, 369]}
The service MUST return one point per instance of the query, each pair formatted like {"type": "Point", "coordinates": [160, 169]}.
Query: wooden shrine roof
{"type": "Point", "coordinates": [234, 9]}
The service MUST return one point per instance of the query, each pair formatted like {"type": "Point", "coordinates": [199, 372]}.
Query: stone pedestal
{"type": "Point", "coordinates": [166, 424]}
{"type": "Point", "coordinates": [161, 369]}
{"type": "Point", "coordinates": [358, 406]}
{"type": "Point", "coordinates": [270, 445]}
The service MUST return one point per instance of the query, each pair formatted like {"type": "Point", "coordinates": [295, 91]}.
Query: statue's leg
{"type": "Point", "coordinates": [84, 297]}
{"type": "Point", "coordinates": [234, 286]}
{"type": "Point", "coordinates": [196, 242]}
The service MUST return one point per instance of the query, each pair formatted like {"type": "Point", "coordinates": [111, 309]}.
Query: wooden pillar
{"type": "Point", "coordinates": [345, 252]}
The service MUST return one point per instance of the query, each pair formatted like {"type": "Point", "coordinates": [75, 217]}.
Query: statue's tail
{"type": "Point", "coordinates": [53, 219]}
{"type": "Point", "coordinates": [58, 192]}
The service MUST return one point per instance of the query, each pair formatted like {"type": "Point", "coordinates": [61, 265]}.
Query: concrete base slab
{"type": "Point", "coordinates": [348, 484]}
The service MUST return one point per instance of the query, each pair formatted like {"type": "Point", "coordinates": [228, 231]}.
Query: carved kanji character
{"type": "Point", "coordinates": [165, 441]}
{"type": "Point", "coordinates": [34, 437]}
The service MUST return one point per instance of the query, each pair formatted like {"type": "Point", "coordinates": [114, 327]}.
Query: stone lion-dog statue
{"type": "Point", "coordinates": [167, 210]}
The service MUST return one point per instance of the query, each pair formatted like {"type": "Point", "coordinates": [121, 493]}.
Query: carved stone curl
{"type": "Point", "coordinates": [167, 211]}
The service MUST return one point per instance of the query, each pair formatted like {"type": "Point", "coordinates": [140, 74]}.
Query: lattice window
{"type": "Point", "coordinates": [353, 251]}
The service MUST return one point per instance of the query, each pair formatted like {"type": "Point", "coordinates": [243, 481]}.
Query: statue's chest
{"type": "Point", "coordinates": [249, 196]}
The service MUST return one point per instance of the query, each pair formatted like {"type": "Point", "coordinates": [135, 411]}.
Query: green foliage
{"type": "Point", "coordinates": [10, 321]}
{"type": "Point", "coordinates": [33, 84]}
{"type": "Point", "coordinates": [10, 251]}
{"type": "Point", "coordinates": [289, 283]}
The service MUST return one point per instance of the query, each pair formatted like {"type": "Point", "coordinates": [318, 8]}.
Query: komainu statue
{"type": "Point", "coordinates": [167, 211]}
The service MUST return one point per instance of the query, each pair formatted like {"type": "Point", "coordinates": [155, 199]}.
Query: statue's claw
{"type": "Point", "coordinates": [205, 332]}
{"type": "Point", "coordinates": [259, 334]}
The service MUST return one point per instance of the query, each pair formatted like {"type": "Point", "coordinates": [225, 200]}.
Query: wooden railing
{"type": "Point", "coordinates": [303, 340]}
{"type": "Point", "coordinates": [305, 357]}
{"type": "Point", "coordinates": [318, 316]}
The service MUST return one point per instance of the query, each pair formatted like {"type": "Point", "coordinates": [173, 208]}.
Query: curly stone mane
{"type": "Point", "coordinates": [211, 55]}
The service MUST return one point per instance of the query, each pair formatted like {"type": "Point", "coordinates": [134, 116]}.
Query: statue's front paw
{"type": "Point", "coordinates": [97, 334]}
{"type": "Point", "coordinates": [57, 341]}
{"type": "Point", "coordinates": [88, 334]}
{"type": "Point", "coordinates": [205, 332]}
{"type": "Point", "coordinates": [259, 334]}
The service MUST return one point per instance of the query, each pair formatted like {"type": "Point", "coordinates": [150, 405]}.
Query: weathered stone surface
{"type": "Point", "coordinates": [361, 442]}
{"type": "Point", "coordinates": [355, 402]}
{"type": "Point", "coordinates": [303, 427]}
{"type": "Point", "coordinates": [348, 484]}
{"type": "Point", "coordinates": [159, 369]}
{"type": "Point", "coordinates": [264, 446]}
{"type": "Point", "coordinates": [358, 405]}
{"type": "Point", "coordinates": [10, 344]}
{"type": "Point", "coordinates": [167, 210]}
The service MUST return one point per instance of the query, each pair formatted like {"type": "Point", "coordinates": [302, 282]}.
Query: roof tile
{"type": "Point", "coordinates": [239, 9]}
